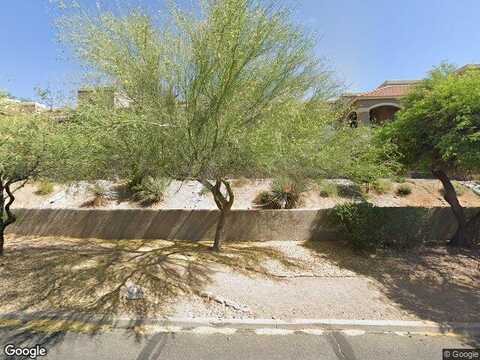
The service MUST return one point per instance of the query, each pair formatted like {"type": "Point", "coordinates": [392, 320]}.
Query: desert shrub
{"type": "Point", "coordinates": [349, 191]}
{"type": "Point", "coordinates": [135, 181]}
{"type": "Point", "coordinates": [100, 196]}
{"type": "Point", "coordinates": [403, 190]}
{"type": "Point", "coordinates": [328, 189]}
{"type": "Point", "coordinates": [285, 194]}
{"type": "Point", "coordinates": [382, 186]}
{"type": "Point", "coordinates": [150, 190]}
{"type": "Point", "coordinates": [44, 188]}
{"type": "Point", "coordinates": [459, 189]}
{"type": "Point", "coordinates": [368, 227]}
{"type": "Point", "coordinates": [265, 200]}
{"type": "Point", "coordinates": [399, 179]}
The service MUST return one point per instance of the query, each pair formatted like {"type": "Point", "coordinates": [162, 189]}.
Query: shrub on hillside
{"type": "Point", "coordinates": [100, 196]}
{"type": "Point", "coordinates": [328, 189]}
{"type": "Point", "coordinates": [382, 186]}
{"type": "Point", "coordinates": [349, 191]}
{"type": "Point", "coordinates": [44, 188]}
{"type": "Point", "coordinates": [368, 227]}
{"type": "Point", "coordinates": [403, 190]}
{"type": "Point", "coordinates": [150, 190]}
{"type": "Point", "coordinates": [285, 194]}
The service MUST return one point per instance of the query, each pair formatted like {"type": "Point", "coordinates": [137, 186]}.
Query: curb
{"type": "Point", "coordinates": [370, 326]}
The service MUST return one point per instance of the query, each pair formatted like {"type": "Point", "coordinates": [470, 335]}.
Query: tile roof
{"type": "Point", "coordinates": [389, 89]}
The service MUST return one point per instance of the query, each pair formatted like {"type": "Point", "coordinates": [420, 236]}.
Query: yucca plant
{"type": "Point", "coordinates": [285, 194]}
{"type": "Point", "coordinates": [150, 190]}
{"type": "Point", "coordinates": [100, 196]}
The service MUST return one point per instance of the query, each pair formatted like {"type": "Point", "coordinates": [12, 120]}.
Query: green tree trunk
{"type": "Point", "coordinates": [224, 204]}
{"type": "Point", "coordinates": [219, 232]}
{"type": "Point", "coordinates": [2, 238]}
{"type": "Point", "coordinates": [461, 237]}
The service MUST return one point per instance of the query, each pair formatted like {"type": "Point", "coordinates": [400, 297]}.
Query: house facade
{"type": "Point", "coordinates": [380, 105]}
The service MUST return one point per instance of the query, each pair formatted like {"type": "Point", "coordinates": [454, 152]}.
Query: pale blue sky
{"type": "Point", "coordinates": [364, 41]}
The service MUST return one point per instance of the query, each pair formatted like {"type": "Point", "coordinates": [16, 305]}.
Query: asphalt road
{"type": "Point", "coordinates": [121, 344]}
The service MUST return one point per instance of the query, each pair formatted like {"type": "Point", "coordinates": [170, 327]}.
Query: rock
{"type": "Point", "coordinates": [56, 197]}
{"type": "Point", "coordinates": [134, 292]}
{"type": "Point", "coordinates": [476, 190]}
{"type": "Point", "coordinates": [225, 302]}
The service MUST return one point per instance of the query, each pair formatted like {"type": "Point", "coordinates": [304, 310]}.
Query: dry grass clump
{"type": "Point", "coordinates": [44, 188]}
{"type": "Point", "coordinates": [285, 194]}
{"type": "Point", "coordinates": [382, 186]}
{"type": "Point", "coordinates": [459, 189]}
{"type": "Point", "coordinates": [403, 190]}
{"type": "Point", "coordinates": [99, 195]}
{"type": "Point", "coordinates": [328, 189]}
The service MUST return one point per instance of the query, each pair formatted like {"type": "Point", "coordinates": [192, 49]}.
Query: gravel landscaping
{"type": "Point", "coordinates": [278, 280]}
{"type": "Point", "coordinates": [190, 195]}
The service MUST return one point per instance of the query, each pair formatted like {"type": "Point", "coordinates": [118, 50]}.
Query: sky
{"type": "Point", "coordinates": [364, 42]}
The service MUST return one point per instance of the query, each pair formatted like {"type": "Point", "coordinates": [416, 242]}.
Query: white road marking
{"type": "Point", "coordinates": [273, 331]}
{"type": "Point", "coordinates": [207, 330]}
{"type": "Point", "coordinates": [353, 332]}
{"type": "Point", "coordinates": [313, 331]}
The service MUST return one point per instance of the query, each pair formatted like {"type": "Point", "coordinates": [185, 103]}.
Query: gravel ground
{"type": "Point", "coordinates": [280, 280]}
{"type": "Point", "coordinates": [189, 195]}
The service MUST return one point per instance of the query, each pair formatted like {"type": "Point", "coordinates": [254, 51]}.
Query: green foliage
{"type": "Point", "coordinates": [368, 227]}
{"type": "Point", "coordinates": [382, 186]}
{"type": "Point", "coordinates": [24, 143]}
{"type": "Point", "coordinates": [350, 191]}
{"type": "Point", "coordinates": [31, 147]}
{"type": "Point", "coordinates": [232, 89]}
{"type": "Point", "coordinates": [328, 189]}
{"type": "Point", "coordinates": [150, 190]}
{"type": "Point", "coordinates": [197, 85]}
{"type": "Point", "coordinates": [309, 143]}
{"type": "Point", "coordinates": [439, 124]}
{"type": "Point", "coordinates": [44, 188]}
{"type": "Point", "coordinates": [285, 194]}
{"type": "Point", "coordinates": [403, 190]}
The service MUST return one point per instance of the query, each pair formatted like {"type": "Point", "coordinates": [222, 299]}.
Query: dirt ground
{"type": "Point", "coordinates": [282, 280]}
{"type": "Point", "coordinates": [189, 195]}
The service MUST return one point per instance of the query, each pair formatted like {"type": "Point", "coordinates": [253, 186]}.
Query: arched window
{"type": "Point", "coordinates": [383, 113]}
{"type": "Point", "coordinates": [353, 119]}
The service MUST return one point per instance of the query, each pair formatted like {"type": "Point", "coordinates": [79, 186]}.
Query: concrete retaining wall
{"type": "Point", "coordinates": [242, 225]}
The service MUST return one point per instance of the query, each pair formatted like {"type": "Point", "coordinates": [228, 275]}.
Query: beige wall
{"type": "Point", "coordinates": [362, 107]}
{"type": "Point", "coordinates": [242, 225]}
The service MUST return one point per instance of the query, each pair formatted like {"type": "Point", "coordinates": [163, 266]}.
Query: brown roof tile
{"type": "Point", "coordinates": [395, 90]}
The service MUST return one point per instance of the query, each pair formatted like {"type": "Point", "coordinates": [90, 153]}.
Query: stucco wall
{"type": "Point", "coordinates": [242, 225]}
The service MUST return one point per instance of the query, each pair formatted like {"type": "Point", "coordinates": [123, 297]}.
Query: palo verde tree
{"type": "Point", "coordinates": [28, 150]}
{"type": "Point", "coordinates": [306, 141]}
{"type": "Point", "coordinates": [198, 84]}
{"type": "Point", "coordinates": [439, 130]}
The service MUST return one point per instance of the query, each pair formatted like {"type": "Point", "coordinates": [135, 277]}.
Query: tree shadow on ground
{"type": "Point", "coordinates": [87, 280]}
{"type": "Point", "coordinates": [433, 283]}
